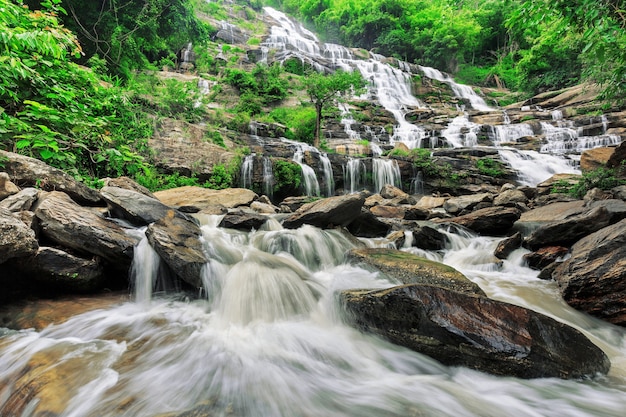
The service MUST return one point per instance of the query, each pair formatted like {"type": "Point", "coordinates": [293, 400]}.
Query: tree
{"type": "Point", "coordinates": [326, 89]}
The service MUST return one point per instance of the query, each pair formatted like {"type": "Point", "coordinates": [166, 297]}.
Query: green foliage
{"type": "Point", "coordinates": [221, 178]}
{"type": "Point", "coordinates": [602, 178]}
{"type": "Point", "coordinates": [490, 167]}
{"type": "Point", "coordinates": [262, 86]}
{"type": "Point", "coordinates": [287, 176]}
{"type": "Point", "coordinates": [130, 34]}
{"type": "Point", "coordinates": [154, 181]}
{"type": "Point", "coordinates": [300, 122]}
{"type": "Point", "coordinates": [56, 111]}
{"type": "Point", "coordinates": [326, 89]}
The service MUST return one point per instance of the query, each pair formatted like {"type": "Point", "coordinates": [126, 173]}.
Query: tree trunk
{"type": "Point", "coordinates": [318, 125]}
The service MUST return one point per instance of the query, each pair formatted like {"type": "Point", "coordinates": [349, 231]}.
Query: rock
{"type": "Point", "coordinates": [59, 271]}
{"type": "Point", "coordinates": [264, 208]}
{"type": "Point", "coordinates": [127, 184]}
{"type": "Point", "coordinates": [390, 192]}
{"type": "Point", "coordinates": [615, 207]}
{"type": "Point", "coordinates": [79, 228]}
{"type": "Point", "coordinates": [567, 231]}
{"type": "Point", "coordinates": [455, 205]}
{"type": "Point", "coordinates": [136, 207]}
{"type": "Point", "coordinates": [23, 200]}
{"type": "Point", "coordinates": [495, 220]}
{"type": "Point", "coordinates": [407, 268]}
{"type": "Point", "coordinates": [31, 172]}
{"type": "Point", "coordinates": [16, 239]}
{"type": "Point", "coordinates": [617, 158]}
{"type": "Point", "coordinates": [388, 212]}
{"type": "Point", "coordinates": [204, 198]}
{"type": "Point", "coordinates": [416, 213]}
{"type": "Point", "coordinates": [369, 226]}
{"type": "Point", "coordinates": [507, 246]}
{"type": "Point", "coordinates": [510, 198]}
{"type": "Point", "coordinates": [545, 256]}
{"type": "Point", "coordinates": [595, 158]}
{"type": "Point", "coordinates": [596, 194]}
{"type": "Point", "coordinates": [177, 241]}
{"type": "Point", "coordinates": [593, 279]}
{"type": "Point", "coordinates": [553, 212]}
{"type": "Point", "coordinates": [398, 238]}
{"type": "Point", "coordinates": [461, 329]}
{"type": "Point", "coordinates": [619, 192]}
{"type": "Point", "coordinates": [7, 188]}
{"type": "Point", "coordinates": [328, 212]}
{"type": "Point", "coordinates": [546, 186]}
{"type": "Point", "coordinates": [40, 313]}
{"type": "Point", "coordinates": [291, 204]}
{"type": "Point", "coordinates": [374, 200]}
{"type": "Point", "coordinates": [428, 203]}
{"type": "Point", "coordinates": [242, 220]}
{"type": "Point", "coordinates": [428, 238]}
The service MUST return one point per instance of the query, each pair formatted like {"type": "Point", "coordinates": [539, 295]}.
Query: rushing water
{"type": "Point", "coordinates": [269, 340]}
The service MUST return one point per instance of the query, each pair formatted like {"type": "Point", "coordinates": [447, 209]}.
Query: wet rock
{"type": "Point", "coordinates": [84, 230]}
{"type": "Point", "coordinates": [465, 202]}
{"type": "Point", "coordinates": [567, 231]}
{"type": "Point", "coordinates": [397, 238]}
{"type": "Point", "coordinates": [407, 268]}
{"type": "Point", "coordinates": [291, 204]}
{"type": "Point", "coordinates": [264, 208]}
{"type": "Point", "coordinates": [243, 221]}
{"type": "Point", "coordinates": [205, 198]}
{"type": "Point", "coordinates": [507, 246]}
{"type": "Point", "coordinates": [460, 329]}
{"type": "Point", "coordinates": [428, 238]}
{"type": "Point", "coordinates": [390, 192]}
{"type": "Point", "coordinates": [327, 213]}
{"type": "Point", "coordinates": [593, 279]}
{"type": "Point", "coordinates": [177, 241]}
{"type": "Point", "coordinates": [369, 226]}
{"type": "Point", "coordinates": [58, 271]}
{"type": "Point", "coordinates": [135, 207]}
{"type": "Point", "coordinates": [543, 257]}
{"type": "Point", "coordinates": [23, 200]}
{"type": "Point", "coordinates": [31, 172]}
{"type": "Point", "coordinates": [16, 239]}
{"type": "Point", "coordinates": [7, 188]}
{"type": "Point", "coordinates": [495, 220]}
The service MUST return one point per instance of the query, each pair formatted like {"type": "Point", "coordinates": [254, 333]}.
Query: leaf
{"type": "Point", "coordinates": [21, 144]}
{"type": "Point", "coordinates": [46, 153]}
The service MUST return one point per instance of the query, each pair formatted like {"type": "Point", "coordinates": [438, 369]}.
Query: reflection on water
{"type": "Point", "coordinates": [269, 341]}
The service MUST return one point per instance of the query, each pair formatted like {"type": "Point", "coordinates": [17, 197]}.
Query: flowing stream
{"type": "Point", "coordinates": [268, 339]}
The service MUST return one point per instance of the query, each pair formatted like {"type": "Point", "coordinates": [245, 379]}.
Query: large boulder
{"type": "Point", "coordinates": [567, 231]}
{"type": "Point", "coordinates": [553, 212]}
{"type": "Point", "coordinates": [16, 239]}
{"type": "Point", "coordinates": [595, 158]}
{"type": "Point", "coordinates": [34, 173]}
{"type": "Point", "coordinates": [243, 220]}
{"type": "Point", "coordinates": [53, 269]}
{"type": "Point", "coordinates": [84, 230]}
{"type": "Point", "coordinates": [177, 241]}
{"type": "Point", "coordinates": [508, 245]}
{"type": "Point", "coordinates": [495, 220]}
{"type": "Point", "coordinates": [205, 198]}
{"type": "Point", "coordinates": [135, 207]}
{"type": "Point", "coordinates": [459, 329]}
{"type": "Point", "coordinates": [593, 279]}
{"type": "Point", "coordinates": [407, 268]}
{"type": "Point", "coordinates": [328, 212]}
{"type": "Point", "coordinates": [368, 225]}
{"type": "Point", "coordinates": [428, 238]}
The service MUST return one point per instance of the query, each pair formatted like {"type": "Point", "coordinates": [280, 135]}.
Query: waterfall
{"type": "Point", "coordinates": [144, 270]}
{"type": "Point", "coordinates": [461, 132]}
{"type": "Point", "coordinates": [417, 184]}
{"type": "Point", "coordinates": [309, 179]}
{"type": "Point", "coordinates": [327, 172]}
{"type": "Point", "coordinates": [268, 177]}
{"type": "Point", "coordinates": [534, 167]}
{"type": "Point", "coordinates": [460, 90]}
{"type": "Point", "coordinates": [385, 171]}
{"type": "Point", "coordinates": [354, 175]}
{"type": "Point", "coordinates": [247, 169]}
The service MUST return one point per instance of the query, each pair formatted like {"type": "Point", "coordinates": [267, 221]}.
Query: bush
{"type": "Point", "coordinates": [490, 167]}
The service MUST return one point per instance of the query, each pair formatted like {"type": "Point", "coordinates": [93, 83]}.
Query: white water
{"type": "Point", "coordinates": [460, 90]}
{"type": "Point", "coordinates": [269, 341]}
{"type": "Point", "coordinates": [310, 183]}
{"type": "Point", "coordinates": [354, 175]}
{"type": "Point", "coordinates": [385, 171]}
{"type": "Point", "coordinates": [247, 167]}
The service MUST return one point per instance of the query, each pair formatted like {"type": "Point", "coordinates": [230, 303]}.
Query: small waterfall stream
{"type": "Point", "coordinates": [268, 340]}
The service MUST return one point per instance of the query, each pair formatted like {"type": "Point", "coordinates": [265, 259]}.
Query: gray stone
{"type": "Point", "coordinates": [23, 200]}
{"type": "Point", "coordinates": [16, 239]}
{"type": "Point", "coordinates": [328, 212]}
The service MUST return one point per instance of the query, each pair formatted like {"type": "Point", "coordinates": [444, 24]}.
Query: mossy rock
{"type": "Point", "coordinates": [408, 268]}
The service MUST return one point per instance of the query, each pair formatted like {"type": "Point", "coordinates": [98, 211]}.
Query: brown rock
{"type": "Point", "coordinates": [545, 256]}
{"type": "Point", "coordinates": [595, 158]}
{"type": "Point", "coordinates": [388, 212]}
{"type": "Point", "coordinates": [593, 279]}
{"type": "Point", "coordinates": [7, 188]}
{"type": "Point", "coordinates": [203, 198]}
{"type": "Point", "coordinates": [507, 246]}
{"type": "Point", "coordinates": [328, 212]}
{"type": "Point", "coordinates": [495, 220]}
{"type": "Point", "coordinates": [16, 239]}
